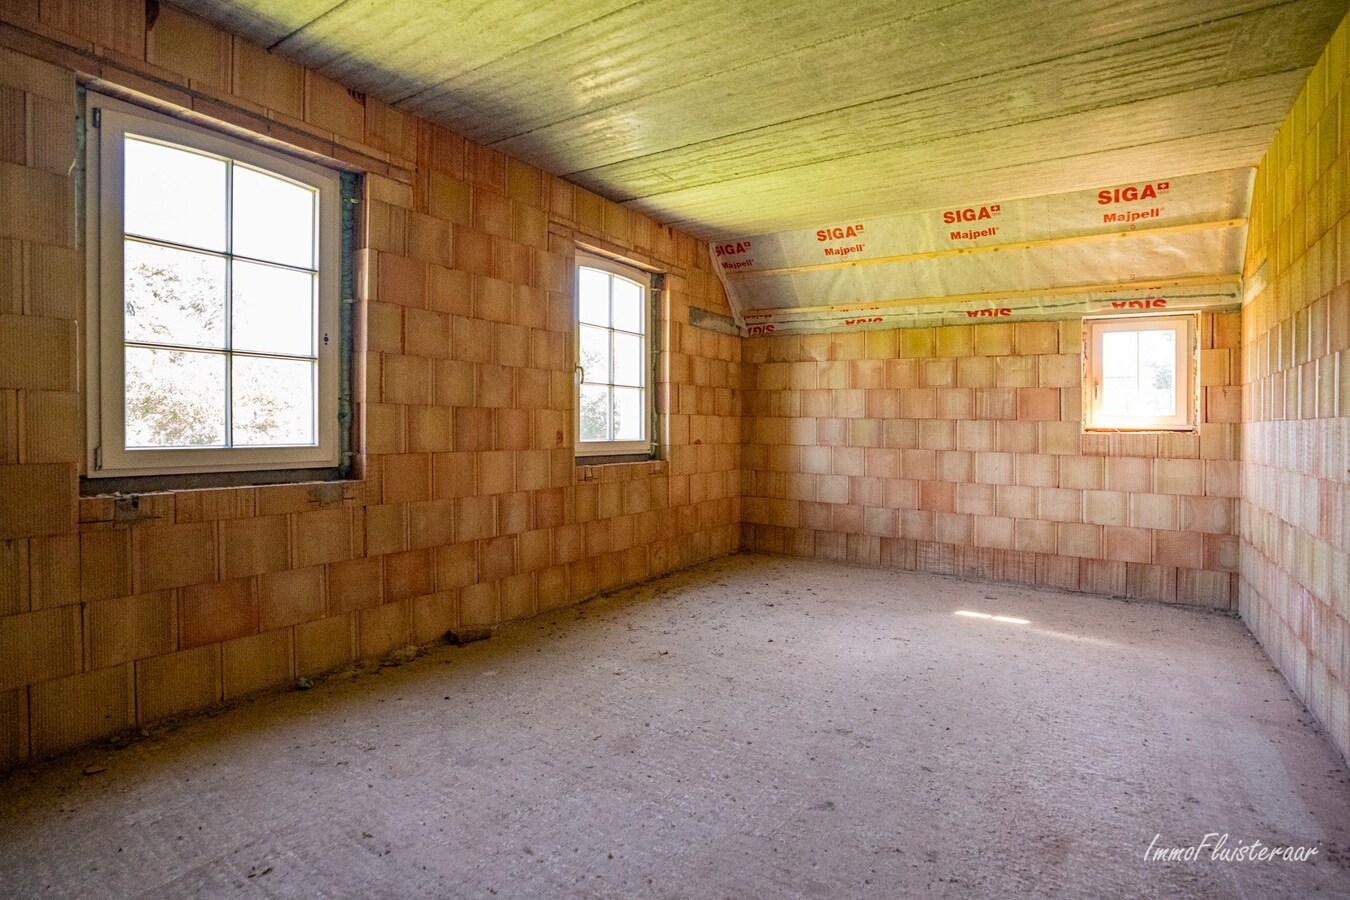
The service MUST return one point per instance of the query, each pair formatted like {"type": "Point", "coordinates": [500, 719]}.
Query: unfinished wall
{"type": "Point", "coordinates": [469, 508]}
{"type": "Point", "coordinates": [1295, 567]}
{"type": "Point", "coordinates": [960, 450]}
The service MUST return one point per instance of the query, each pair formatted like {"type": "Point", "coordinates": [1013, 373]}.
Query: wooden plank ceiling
{"type": "Point", "coordinates": [734, 118]}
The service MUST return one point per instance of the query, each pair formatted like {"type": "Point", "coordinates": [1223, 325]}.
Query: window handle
{"type": "Point", "coordinates": [580, 373]}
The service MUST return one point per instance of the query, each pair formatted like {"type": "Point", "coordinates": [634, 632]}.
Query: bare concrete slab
{"type": "Point", "coordinates": [754, 727]}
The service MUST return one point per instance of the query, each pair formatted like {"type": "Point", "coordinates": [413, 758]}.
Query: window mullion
{"type": "Point", "coordinates": [229, 304]}
{"type": "Point", "coordinates": [222, 254]}
{"type": "Point", "coordinates": [609, 375]}
{"type": "Point", "coordinates": [1183, 386]}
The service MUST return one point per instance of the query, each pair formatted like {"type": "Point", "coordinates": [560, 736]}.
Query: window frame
{"type": "Point", "coordinates": [1184, 417]}
{"type": "Point", "coordinates": [649, 280]}
{"type": "Point", "coordinates": [108, 121]}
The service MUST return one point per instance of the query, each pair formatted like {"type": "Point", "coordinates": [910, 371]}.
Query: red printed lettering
{"type": "Point", "coordinates": [1129, 217]}
{"type": "Point", "coordinates": [839, 232]}
{"type": "Point", "coordinates": [973, 235]}
{"type": "Point", "coordinates": [970, 214]}
{"type": "Point", "coordinates": [1158, 303]}
{"type": "Point", "coordinates": [1132, 193]}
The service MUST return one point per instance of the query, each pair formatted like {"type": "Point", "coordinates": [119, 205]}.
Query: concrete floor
{"type": "Point", "coordinates": [754, 727]}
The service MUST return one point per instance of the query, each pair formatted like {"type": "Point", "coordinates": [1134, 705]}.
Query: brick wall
{"type": "Point", "coordinates": [960, 450]}
{"type": "Point", "coordinates": [1295, 568]}
{"type": "Point", "coordinates": [951, 450]}
{"type": "Point", "coordinates": [469, 507]}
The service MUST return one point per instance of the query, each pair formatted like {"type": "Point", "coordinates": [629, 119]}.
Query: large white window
{"type": "Point", "coordinates": [1139, 373]}
{"type": "Point", "coordinates": [214, 273]}
{"type": "Point", "coordinates": [614, 316]}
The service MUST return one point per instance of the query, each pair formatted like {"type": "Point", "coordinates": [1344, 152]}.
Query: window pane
{"type": "Point", "coordinates": [273, 309]}
{"type": "Point", "coordinates": [628, 362]}
{"type": "Point", "coordinates": [628, 306]}
{"type": "Point", "coordinates": [593, 297]}
{"type": "Point", "coordinates": [1157, 373]}
{"type": "Point", "coordinates": [273, 401]}
{"type": "Point", "coordinates": [1120, 354]}
{"type": "Point", "coordinates": [175, 398]}
{"type": "Point", "coordinates": [273, 218]}
{"type": "Point", "coordinates": [173, 194]}
{"type": "Point", "coordinates": [173, 296]}
{"type": "Point", "coordinates": [628, 424]}
{"type": "Point", "coordinates": [1120, 372]}
{"type": "Point", "coordinates": [1139, 373]}
{"type": "Point", "coordinates": [594, 413]}
{"type": "Point", "coordinates": [595, 354]}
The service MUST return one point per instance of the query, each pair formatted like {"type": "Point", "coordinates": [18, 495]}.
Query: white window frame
{"type": "Point", "coordinates": [1183, 417]}
{"type": "Point", "coordinates": [109, 121]}
{"type": "Point", "coordinates": [594, 451]}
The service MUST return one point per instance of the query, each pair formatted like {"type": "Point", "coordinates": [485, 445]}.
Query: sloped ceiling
{"type": "Point", "coordinates": [734, 118]}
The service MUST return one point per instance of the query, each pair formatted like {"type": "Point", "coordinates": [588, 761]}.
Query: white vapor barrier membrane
{"type": "Point", "coordinates": [1168, 244]}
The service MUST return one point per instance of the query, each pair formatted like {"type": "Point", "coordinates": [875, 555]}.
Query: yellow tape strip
{"type": "Point", "coordinates": [784, 312]}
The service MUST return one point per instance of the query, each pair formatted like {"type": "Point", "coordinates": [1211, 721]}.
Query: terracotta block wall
{"type": "Point", "coordinates": [960, 450]}
{"type": "Point", "coordinates": [1295, 569]}
{"type": "Point", "coordinates": [468, 507]}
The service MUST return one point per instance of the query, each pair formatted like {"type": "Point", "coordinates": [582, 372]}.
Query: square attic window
{"type": "Point", "coordinates": [1139, 373]}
